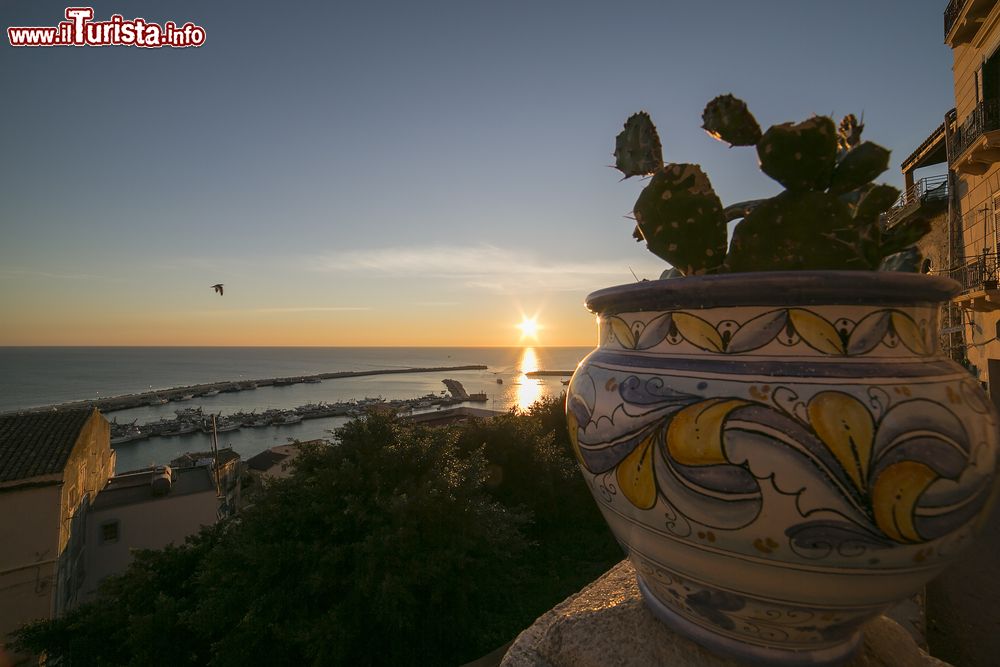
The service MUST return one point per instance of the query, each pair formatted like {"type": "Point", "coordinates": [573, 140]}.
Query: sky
{"type": "Point", "coordinates": [398, 173]}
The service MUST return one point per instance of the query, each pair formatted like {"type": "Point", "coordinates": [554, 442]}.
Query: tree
{"type": "Point", "coordinates": [397, 545]}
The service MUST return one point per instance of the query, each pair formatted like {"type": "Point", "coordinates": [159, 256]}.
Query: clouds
{"type": "Point", "coordinates": [310, 309]}
{"type": "Point", "coordinates": [486, 267]}
{"type": "Point", "coordinates": [33, 274]}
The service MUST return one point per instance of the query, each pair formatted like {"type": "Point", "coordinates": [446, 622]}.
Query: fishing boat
{"type": "Point", "coordinates": [181, 428]}
{"type": "Point", "coordinates": [226, 425]}
{"type": "Point", "coordinates": [287, 418]}
{"type": "Point", "coordinates": [126, 433]}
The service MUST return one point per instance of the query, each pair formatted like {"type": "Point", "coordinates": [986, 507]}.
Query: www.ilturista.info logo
{"type": "Point", "coordinates": [80, 30]}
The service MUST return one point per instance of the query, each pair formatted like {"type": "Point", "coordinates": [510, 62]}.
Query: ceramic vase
{"type": "Point", "coordinates": [782, 455]}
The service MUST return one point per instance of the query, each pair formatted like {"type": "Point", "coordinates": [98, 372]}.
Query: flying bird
{"type": "Point", "coordinates": [218, 288]}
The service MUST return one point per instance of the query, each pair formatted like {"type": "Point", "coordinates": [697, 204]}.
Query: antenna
{"type": "Point", "coordinates": [633, 275]}
{"type": "Point", "coordinates": [215, 458]}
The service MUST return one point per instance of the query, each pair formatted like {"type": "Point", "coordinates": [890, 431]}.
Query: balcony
{"type": "Point", "coordinates": [978, 278]}
{"type": "Point", "coordinates": [976, 144]}
{"type": "Point", "coordinates": [963, 18]}
{"type": "Point", "coordinates": [928, 196]}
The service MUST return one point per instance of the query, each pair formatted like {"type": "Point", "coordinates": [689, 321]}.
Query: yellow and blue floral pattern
{"type": "Point", "coordinates": [813, 463]}
{"type": "Point", "coordinates": [788, 327]}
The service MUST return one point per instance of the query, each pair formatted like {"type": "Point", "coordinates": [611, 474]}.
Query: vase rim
{"type": "Point", "coordinates": [775, 288]}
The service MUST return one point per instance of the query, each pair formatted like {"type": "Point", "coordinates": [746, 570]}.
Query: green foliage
{"type": "Point", "coordinates": [827, 217]}
{"type": "Point", "coordinates": [138, 619]}
{"type": "Point", "coordinates": [398, 545]}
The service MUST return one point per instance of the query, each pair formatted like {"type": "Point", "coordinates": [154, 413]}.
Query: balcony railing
{"type": "Point", "coordinates": [951, 14]}
{"type": "Point", "coordinates": [933, 189]}
{"type": "Point", "coordinates": [979, 273]}
{"type": "Point", "coordinates": [984, 118]}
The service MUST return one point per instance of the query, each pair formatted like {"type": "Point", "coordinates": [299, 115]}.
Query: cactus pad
{"type": "Point", "coordinates": [793, 231]}
{"type": "Point", "coordinates": [727, 118]}
{"type": "Point", "coordinates": [681, 218]}
{"type": "Point", "coordinates": [827, 218]}
{"type": "Point", "coordinates": [800, 156]}
{"type": "Point", "coordinates": [860, 165]}
{"type": "Point", "coordinates": [903, 235]}
{"type": "Point", "coordinates": [638, 151]}
{"type": "Point", "coordinates": [875, 202]}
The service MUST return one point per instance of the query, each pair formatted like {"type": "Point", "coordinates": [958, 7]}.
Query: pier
{"type": "Point", "coordinates": [127, 401]}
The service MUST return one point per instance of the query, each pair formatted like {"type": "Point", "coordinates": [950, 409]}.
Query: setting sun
{"type": "Point", "coordinates": [529, 328]}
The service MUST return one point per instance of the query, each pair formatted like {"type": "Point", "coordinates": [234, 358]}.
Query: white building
{"type": "Point", "coordinates": [146, 509]}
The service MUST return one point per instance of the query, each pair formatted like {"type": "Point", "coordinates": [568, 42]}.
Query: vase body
{"type": "Point", "coordinates": [782, 455]}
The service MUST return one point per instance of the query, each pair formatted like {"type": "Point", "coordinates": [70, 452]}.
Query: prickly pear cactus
{"type": "Point", "coordinates": [800, 156]}
{"type": "Point", "coordinates": [793, 231]}
{"type": "Point", "coordinates": [867, 227]}
{"type": "Point", "coordinates": [727, 118]}
{"type": "Point", "coordinates": [638, 151]}
{"type": "Point", "coordinates": [828, 217]}
{"type": "Point", "coordinates": [859, 166]}
{"type": "Point", "coordinates": [681, 219]}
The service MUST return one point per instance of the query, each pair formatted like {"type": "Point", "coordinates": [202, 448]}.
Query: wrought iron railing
{"type": "Point", "coordinates": [932, 189]}
{"type": "Point", "coordinates": [978, 273]}
{"type": "Point", "coordinates": [984, 118]}
{"type": "Point", "coordinates": [951, 14]}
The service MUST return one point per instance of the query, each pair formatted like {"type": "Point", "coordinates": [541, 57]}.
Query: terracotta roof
{"type": "Point", "coordinates": [38, 444]}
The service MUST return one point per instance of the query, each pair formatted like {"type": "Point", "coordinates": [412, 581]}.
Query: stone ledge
{"type": "Point", "coordinates": [606, 624]}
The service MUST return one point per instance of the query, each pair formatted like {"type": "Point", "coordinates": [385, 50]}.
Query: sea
{"type": "Point", "coordinates": [32, 377]}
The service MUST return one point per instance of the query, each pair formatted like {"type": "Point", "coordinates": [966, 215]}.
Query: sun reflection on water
{"type": "Point", "coordinates": [530, 389]}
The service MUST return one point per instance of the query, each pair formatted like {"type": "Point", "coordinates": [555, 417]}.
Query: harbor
{"type": "Point", "coordinates": [210, 389]}
{"type": "Point", "coordinates": [163, 400]}
{"type": "Point", "coordinates": [193, 419]}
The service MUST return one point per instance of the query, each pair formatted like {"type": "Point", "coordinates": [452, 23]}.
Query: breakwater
{"type": "Point", "coordinates": [161, 396]}
{"type": "Point", "coordinates": [541, 374]}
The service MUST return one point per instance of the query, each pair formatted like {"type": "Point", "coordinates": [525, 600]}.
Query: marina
{"type": "Point", "coordinates": [188, 393]}
{"type": "Point", "coordinates": [137, 384]}
{"type": "Point", "coordinates": [190, 420]}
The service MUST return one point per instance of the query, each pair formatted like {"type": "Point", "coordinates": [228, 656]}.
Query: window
{"type": "Point", "coordinates": [988, 81]}
{"type": "Point", "coordinates": [109, 532]}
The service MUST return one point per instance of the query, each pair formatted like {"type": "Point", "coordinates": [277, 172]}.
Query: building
{"type": "Point", "coordinates": [276, 462]}
{"type": "Point", "coordinates": [226, 466]}
{"type": "Point", "coordinates": [146, 509]}
{"type": "Point", "coordinates": [52, 465]}
{"type": "Point", "coordinates": [962, 195]}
